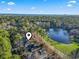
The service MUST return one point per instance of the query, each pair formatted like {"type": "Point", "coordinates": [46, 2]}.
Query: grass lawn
{"type": "Point", "coordinates": [67, 48]}
{"type": "Point", "coordinates": [64, 48]}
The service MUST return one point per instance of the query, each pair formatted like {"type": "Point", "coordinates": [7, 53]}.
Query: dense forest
{"type": "Point", "coordinates": [14, 27]}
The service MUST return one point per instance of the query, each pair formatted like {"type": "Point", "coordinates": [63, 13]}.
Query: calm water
{"type": "Point", "coordinates": [59, 35]}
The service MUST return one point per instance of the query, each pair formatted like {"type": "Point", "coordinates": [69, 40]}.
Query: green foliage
{"type": "Point", "coordinates": [64, 48]}
{"type": "Point", "coordinates": [15, 57]}
{"type": "Point", "coordinates": [67, 48]}
{"type": "Point", "coordinates": [17, 26]}
{"type": "Point", "coordinates": [5, 46]}
{"type": "Point", "coordinates": [17, 37]}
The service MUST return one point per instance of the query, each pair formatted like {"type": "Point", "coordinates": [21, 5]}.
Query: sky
{"type": "Point", "coordinates": [39, 7]}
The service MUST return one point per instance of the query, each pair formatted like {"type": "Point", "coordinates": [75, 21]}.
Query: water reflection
{"type": "Point", "coordinates": [59, 35]}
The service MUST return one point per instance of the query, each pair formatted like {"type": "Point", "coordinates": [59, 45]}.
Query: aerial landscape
{"type": "Point", "coordinates": [39, 29]}
{"type": "Point", "coordinates": [50, 35]}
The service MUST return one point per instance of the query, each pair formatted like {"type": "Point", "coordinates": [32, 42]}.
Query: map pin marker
{"type": "Point", "coordinates": [28, 35]}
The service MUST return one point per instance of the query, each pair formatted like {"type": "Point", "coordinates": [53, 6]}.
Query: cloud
{"type": "Point", "coordinates": [69, 5]}
{"type": "Point", "coordinates": [2, 2]}
{"type": "Point", "coordinates": [33, 8]}
{"type": "Point", "coordinates": [73, 2]}
{"type": "Point", "coordinates": [9, 9]}
{"type": "Point", "coordinates": [11, 3]}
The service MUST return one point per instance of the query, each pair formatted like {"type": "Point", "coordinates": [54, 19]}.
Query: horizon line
{"type": "Point", "coordinates": [33, 14]}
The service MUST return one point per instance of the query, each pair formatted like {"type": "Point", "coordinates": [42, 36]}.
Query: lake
{"type": "Point", "coordinates": [59, 35]}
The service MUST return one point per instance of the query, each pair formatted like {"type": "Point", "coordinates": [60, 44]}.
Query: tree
{"type": "Point", "coordinates": [5, 46]}
{"type": "Point", "coordinates": [17, 37]}
{"type": "Point", "coordinates": [15, 57]}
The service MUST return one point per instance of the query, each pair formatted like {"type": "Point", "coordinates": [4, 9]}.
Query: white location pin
{"type": "Point", "coordinates": [28, 35]}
